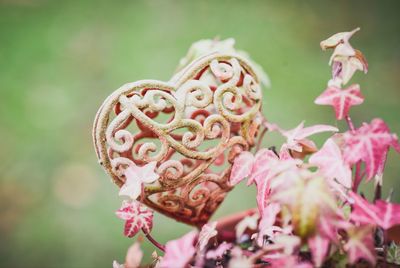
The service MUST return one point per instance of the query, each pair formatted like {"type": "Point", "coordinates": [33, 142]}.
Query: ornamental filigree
{"type": "Point", "coordinates": [193, 126]}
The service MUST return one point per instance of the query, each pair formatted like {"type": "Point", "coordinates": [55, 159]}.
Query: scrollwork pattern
{"type": "Point", "coordinates": [184, 125]}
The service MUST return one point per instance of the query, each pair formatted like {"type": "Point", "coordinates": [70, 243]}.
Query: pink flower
{"type": "Point", "coordinates": [341, 99]}
{"type": "Point", "coordinates": [370, 144]}
{"type": "Point", "coordinates": [135, 177]}
{"type": "Point", "coordinates": [136, 217]}
{"type": "Point", "coordinates": [178, 253]}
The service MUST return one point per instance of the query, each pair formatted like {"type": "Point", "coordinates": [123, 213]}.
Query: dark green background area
{"type": "Point", "coordinates": [60, 59]}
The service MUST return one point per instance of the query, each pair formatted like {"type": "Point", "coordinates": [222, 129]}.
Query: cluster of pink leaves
{"type": "Point", "coordinates": [137, 216]}
{"type": "Point", "coordinates": [301, 203]}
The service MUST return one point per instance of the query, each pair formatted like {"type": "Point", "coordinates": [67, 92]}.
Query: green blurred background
{"type": "Point", "coordinates": [60, 59]}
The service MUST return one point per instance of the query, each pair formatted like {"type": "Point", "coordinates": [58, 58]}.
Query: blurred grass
{"type": "Point", "coordinates": [60, 59]}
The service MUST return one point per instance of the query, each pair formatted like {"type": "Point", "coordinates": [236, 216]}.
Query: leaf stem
{"type": "Point", "coordinates": [350, 123]}
{"type": "Point", "coordinates": [358, 176]}
{"type": "Point", "coordinates": [153, 241]}
{"type": "Point", "coordinates": [259, 141]}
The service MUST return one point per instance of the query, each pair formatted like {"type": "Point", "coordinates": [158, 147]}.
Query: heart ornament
{"type": "Point", "coordinates": [192, 126]}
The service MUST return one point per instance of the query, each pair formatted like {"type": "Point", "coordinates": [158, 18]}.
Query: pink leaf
{"type": "Point", "coordinates": [179, 252]}
{"type": "Point", "coordinates": [134, 256]}
{"type": "Point", "coordinates": [341, 99]}
{"type": "Point", "coordinates": [242, 167]}
{"type": "Point", "coordinates": [370, 144]}
{"type": "Point", "coordinates": [219, 251]}
{"type": "Point", "coordinates": [260, 168]}
{"type": "Point", "coordinates": [136, 176]}
{"type": "Point", "coordinates": [274, 168]}
{"type": "Point", "coordinates": [331, 164]}
{"type": "Point", "coordinates": [295, 136]}
{"type": "Point", "coordinates": [382, 213]}
{"type": "Point", "coordinates": [289, 262]}
{"type": "Point", "coordinates": [267, 227]}
{"type": "Point", "coordinates": [207, 232]}
{"type": "Point", "coordinates": [319, 249]}
{"type": "Point", "coordinates": [268, 217]}
{"type": "Point", "coordinates": [360, 244]}
{"type": "Point", "coordinates": [136, 217]}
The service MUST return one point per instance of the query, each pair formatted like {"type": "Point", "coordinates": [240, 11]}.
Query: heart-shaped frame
{"type": "Point", "coordinates": [207, 114]}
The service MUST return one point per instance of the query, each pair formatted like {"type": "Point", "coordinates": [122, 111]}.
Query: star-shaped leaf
{"type": "Point", "coordinates": [319, 249]}
{"type": "Point", "coordinates": [341, 99]}
{"type": "Point", "coordinates": [331, 164]}
{"type": "Point", "coordinates": [179, 252]}
{"type": "Point", "coordinates": [136, 217]}
{"type": "Point", "coordinates": [382, 213]}
{"type": "Point", "coordinates": [242, 167]}
{"type": "Point", "coordinates": [360, 244]}
{"type": "Point", "coordinates": [370, 144]}
{"type": "Point", "coordinates": [297, 136]}
{"type": "Point", "coordinates": [136, 176]}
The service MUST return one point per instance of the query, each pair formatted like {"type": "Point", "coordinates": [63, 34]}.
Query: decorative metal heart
{"type": "Point", "coordinates": [193, 126]}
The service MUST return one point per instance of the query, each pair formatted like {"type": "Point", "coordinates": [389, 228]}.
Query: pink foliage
{"type": "Point", "coordinates": [331, 164]}
{"type": "Point", "coordinates": [295, 137]}
{"type": "Point", "coordinates": [383, 214]}
{"type": "Point", "coordinates": [319, 247]}
{"type": "Point", "coordinates": [207, 232]}
{"type": "Point", "coordinates": [136, 217]}
{"type": "Point", "coordinates": [341, 99]}
{"type": "Point", "coordinates": [261, 165]}
{"type": "Point", "coordinates": [360, 244]}
{"type": "Point", "coordinates": [179, 252]}
{"type": "Point", "coordinates": [242, 167]}
{"type": "Point", "coordinates": [135, 177]}
{"type": "Point", "coordinates": [289, 262]}
{"type": "Point", "coordinates": [306, 207]}
{"type": "Point", "coordinates": [219, 251]}
{"type": "Point", "coordinates": [370, 144]}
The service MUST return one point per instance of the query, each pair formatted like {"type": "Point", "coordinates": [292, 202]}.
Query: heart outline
{"type": "Point", "coordinates": [125, 96]}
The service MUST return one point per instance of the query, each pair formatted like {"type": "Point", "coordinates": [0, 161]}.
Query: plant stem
{"type": "Point", "coordinates": [153, 241]}
{"type": "Point", "coordinates": [259, 141]}
{"type": "Point", "coordinates": [358, 176]}
{"type": "Point", "coordinates": [350, 123]}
